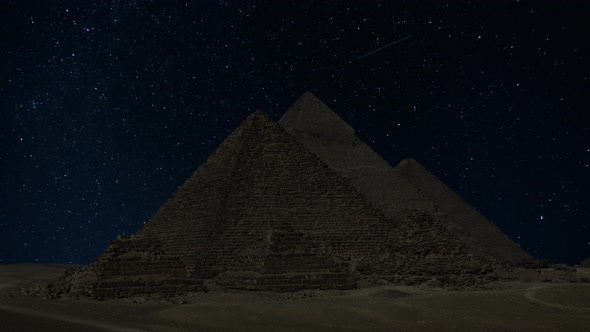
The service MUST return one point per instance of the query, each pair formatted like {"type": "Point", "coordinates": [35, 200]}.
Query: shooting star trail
{"type": "Point", "coordinates": [386, 46]}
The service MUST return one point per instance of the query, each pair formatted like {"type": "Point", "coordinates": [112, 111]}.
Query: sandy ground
{"type": "Point", "coordinates": [516, 306]}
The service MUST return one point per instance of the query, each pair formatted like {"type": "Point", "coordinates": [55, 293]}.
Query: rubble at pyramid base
{"type": "Point", "coordinates": [288, 262]}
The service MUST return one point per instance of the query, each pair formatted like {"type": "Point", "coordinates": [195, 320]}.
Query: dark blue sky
{"type": "Point", "coordinates": [107, 107]}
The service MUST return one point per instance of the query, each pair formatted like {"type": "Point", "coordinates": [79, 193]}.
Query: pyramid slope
{"type": "Point", "coordinates": [187, 222]}
{"type": "Point", "coordinates": [585, 263]}
{"type": "Point", "coordinates": [481, 232]}
{"type": "Point", "coordinates": [395, 191]}
{"type": "Point", "coordinates": [265, 213]}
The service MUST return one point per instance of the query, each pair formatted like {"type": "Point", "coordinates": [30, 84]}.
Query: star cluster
{"type": "Point", "coordinates": [108, 106]}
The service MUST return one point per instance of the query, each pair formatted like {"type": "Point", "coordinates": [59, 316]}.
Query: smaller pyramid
{"type": "Point", "coordinates": [477, 231]}
{"type": "Point", "coordinates": [131, 265]}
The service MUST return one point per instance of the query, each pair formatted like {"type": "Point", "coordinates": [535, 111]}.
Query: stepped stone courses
{"type": "Point", "coordinates": [300, 205]}
{"type": "Point", "coordinates": [130, 266]}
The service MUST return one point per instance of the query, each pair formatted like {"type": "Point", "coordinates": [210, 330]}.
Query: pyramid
{"type": "Point", "coordinates": [261, 213]}
{"type": "Point", "coordinates": [395, 191]}
{"type": "Point", "coordinates": [269, 210]}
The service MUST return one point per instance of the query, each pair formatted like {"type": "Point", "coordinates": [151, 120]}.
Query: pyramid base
{"type": "Point", "coordinates": [286, 282]}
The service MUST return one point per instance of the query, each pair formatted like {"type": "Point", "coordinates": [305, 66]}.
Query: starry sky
{"type": "Point", "coordinates": [108, 106]}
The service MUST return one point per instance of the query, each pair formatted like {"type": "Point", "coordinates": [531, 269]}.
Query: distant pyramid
{"type": "Point", "coordinates": [395, 191]}
{"type": "Point", "coordinates": [476, 230]}
{"type": "Point", "coordinates": [285, 211]}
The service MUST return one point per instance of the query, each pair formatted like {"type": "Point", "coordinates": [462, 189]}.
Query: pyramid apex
{"type": "Point", "coordinates": [411, 166]}
{"type": "Point", "coordinates": [409, 162]}
{"type": "Point", "coordinates": [310, 115]}
{"type": "Point", "coordinates": [309, 95]}
{"type": "Point", "coordinates": [259, 115]}
{"type": "Point", "coordinates": [257, 118]}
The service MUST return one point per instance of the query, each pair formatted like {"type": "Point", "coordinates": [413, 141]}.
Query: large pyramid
{"type": "Point", "coordinates": [310, 207]}
{"type": "Point", "coordinates": [395, 191]}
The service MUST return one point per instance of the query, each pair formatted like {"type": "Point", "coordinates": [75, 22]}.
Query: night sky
{"type": "Point", "coordinates": [108, 106]}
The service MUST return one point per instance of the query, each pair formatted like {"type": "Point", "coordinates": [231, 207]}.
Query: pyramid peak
{"type": "Point", "coordinates": [310, 115]}
{"type": "Point", "coordinates": [409, 162]}
{"type": "Point", "coordinates": [411, 166]}
{"type": "Point", "coordinates": [308, 95]}
{"type": "Point", "coordinates": [259, 115]}
{"type": "Point", "coordinates": [255, 120]}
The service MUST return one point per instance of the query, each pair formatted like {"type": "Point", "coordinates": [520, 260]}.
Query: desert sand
{"type": "Point", "coordinates": [533, 305]}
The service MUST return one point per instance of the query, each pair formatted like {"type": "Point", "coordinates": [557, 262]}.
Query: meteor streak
{"type": "Point", "coordinates": [379, 49]}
